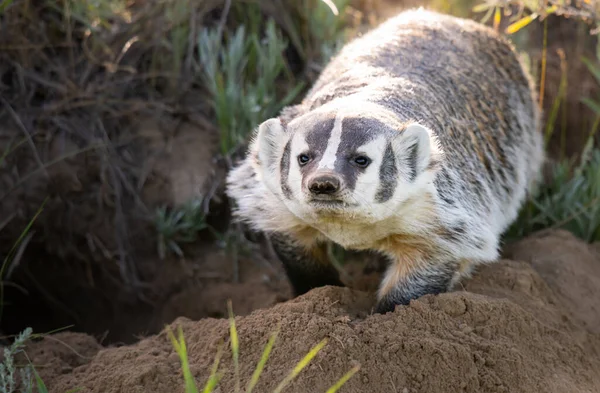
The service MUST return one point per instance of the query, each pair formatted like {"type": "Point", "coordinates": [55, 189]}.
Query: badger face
{"type": "Point", "coordinates": [343, 165]}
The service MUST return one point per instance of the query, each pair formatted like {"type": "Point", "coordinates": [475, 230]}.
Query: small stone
{"type": "Point", "coordinates": [486, 333]}
{"type": "Point", "coordinates": [452, 306]}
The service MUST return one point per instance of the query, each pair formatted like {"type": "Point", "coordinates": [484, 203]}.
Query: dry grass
{"type": "Point", "coordinates": [527, 11]}
{"type": "Point", "coordinates": [76, 78]}
{"type": "Point", "coordinates": [570, 196]}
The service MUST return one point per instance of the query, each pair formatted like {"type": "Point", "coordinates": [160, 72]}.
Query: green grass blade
{"type": "Point", "coordinates": [181, 349]}
{"type": "Point", "coordinates": [481, 7]}
{"type": "Point", "coordinates": [593, 105]}
{"type": "Point", "coordinates": [343, 380]}
{"type": "Point", "coordinates": [4, 5]}
{"type": "Point", "coordinates": [211, 383]}
{"type": "Point", "coordinates": [300, 366]}
{"type": "Point", "coordinates": [235, 347]}
{"type": "Point", "coordinates": [593, 68]}
{"type": "Point", "coordinates": [9, 149]}
{"type": "Point", "coordinates": [47, 165]}
{"type": "Point", "coordinates": [487, 16]}
{"type": "Point", "coordinates": [291, 95]}
{"type": "Point", "coordinates": [558, 101]}
{"type": "Point", "coordinates": [586, 153]}
{"type": "Point", "coordinates": [21, 237]}
{"type": "Point", "coordinates": [263, 360]}
{"type": "Point", "coordinates": [40, 384]}
{"type": "Point", "coordinates": [214, 378]}
{"type": "Point", "coordinates": [13, 249]}
{"type": "Point", "coordinates": [39, 335]}
{"type": "Point", "coordinates": [190, 384]}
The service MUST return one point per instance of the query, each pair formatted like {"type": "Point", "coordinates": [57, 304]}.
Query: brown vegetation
{"type": "Point", "coordinates": [106, 117]}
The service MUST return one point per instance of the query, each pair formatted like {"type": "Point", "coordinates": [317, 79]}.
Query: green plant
{"type": "Point", "coordinates": [8, 380]}
{"type": "Point", "coordinates": [570, 196]}
{"type": "Point", "coordinates": [8, 369]}
{"type": "Point", "coordinates": [214, 378]}
{"type": "Point", "coordinates": [326, 26]}
{"type": "Point", "coordinates": [569, 200]}
{"type": "Point", "coordinates": [176, 41]}
{"type": "Point", "coordinates": [594, 105]}
{"type": "Point", "coordinates": [528, 11]}
{"type": "Point", "coordinates": [16, 250]}
{"type": "Point", "coordinates": [179, 225]}
{"type": "Point", "coordinates": [94, 15]}
{"type": "Point", "coordinates": [242, 76]}
{"type": "Point", "coordinates": [4, 4]}
{"type": "Point", "coordinates": [29, 375]}
{"type": "Point", "coordinates": [247, 74]}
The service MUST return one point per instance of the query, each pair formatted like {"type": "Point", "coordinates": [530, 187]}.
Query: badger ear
{"type": "Point", "coordinates": [413, 149]}
{"type": "Point", "coordinates": [270, 141]}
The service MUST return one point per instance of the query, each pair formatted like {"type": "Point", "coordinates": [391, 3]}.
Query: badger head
{"type": "Point", "coordinates": [348, 164]}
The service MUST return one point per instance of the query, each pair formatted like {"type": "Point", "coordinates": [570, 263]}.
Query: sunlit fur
{"type": "Point", "coordinates": [476, 157]}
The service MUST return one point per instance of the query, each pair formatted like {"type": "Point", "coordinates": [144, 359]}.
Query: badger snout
{"type": "Point", "coordinates": [324, 184]}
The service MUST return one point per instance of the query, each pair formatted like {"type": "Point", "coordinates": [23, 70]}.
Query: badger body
{"type": "Point", "coordinates": [420, 141]}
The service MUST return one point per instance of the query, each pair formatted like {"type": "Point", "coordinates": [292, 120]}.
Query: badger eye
{"type": "Point", "coordinates": [362, 161]}
{"type": "Point", "coordinates": [303, 159]}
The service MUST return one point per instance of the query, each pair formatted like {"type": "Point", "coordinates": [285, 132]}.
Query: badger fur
{"type": "Point", "coordinates": [420, 141]}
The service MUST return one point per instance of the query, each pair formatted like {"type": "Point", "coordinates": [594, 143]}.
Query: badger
{"type": "Point", "coordinates": [419, 141]}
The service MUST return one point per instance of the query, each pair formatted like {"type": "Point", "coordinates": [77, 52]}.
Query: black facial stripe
{"type": "Point", "coordinates": [285, 170]}
{"type": "Point", "coordinates": [318, 137]}
{"type": "Point", "coordinates": [356, 132]}
{"type": "Point", "coordinates": [412, 161]}
{"type": "Point", "coordinates": [388, 176]}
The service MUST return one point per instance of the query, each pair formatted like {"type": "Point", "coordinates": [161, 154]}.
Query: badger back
{"type": "Point", "coordinates": [463, 81]}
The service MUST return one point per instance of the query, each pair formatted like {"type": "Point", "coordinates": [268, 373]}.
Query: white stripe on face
{"type": "Point", "coordinates": [329, 157]}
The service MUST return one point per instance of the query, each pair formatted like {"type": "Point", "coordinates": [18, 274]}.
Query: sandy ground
{"type": "Point", "coordinates": [525, 324]}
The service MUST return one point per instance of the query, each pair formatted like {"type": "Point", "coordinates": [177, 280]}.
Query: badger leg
{"type": "Point", "coordinates": [305, 268]}
{"type": "Point", "coordinates": [407, 280]}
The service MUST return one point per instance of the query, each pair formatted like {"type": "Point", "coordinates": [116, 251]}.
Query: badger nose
{"type": "Point", "coordinates": [324, 184]}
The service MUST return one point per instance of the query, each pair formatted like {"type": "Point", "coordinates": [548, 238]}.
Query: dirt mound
{"type": "Point", "coordinates": [571, 270]}
{"type": "Point", "coordinates": [62, 352]}
{"type": "Point", "coordinates": [514, 327]}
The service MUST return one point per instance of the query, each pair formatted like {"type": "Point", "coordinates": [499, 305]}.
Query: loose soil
{"type": "Point", "coordinates": [524, 324]}
{"type": "Point", "coordinates": [94, 230]}
{"type": "Point", "coordinates": [528, 323]}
